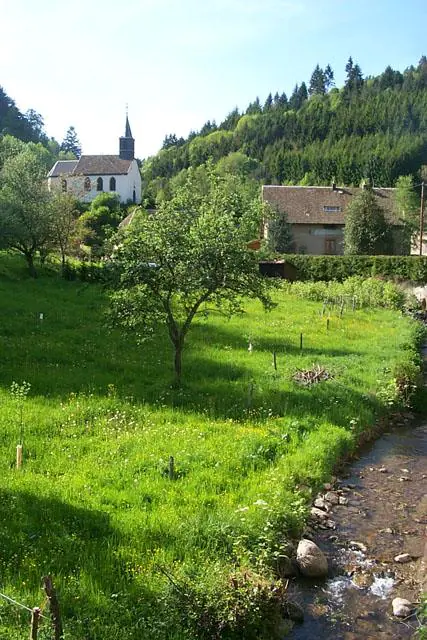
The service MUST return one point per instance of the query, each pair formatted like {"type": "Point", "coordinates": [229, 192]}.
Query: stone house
{"type": "Point", "coordinates": [317, 214]}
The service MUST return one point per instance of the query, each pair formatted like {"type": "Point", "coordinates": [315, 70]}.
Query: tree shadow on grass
{"type": "Point", "coordinates": [45, 535]}
{"type": "Point", "coordinates": [203, 335]}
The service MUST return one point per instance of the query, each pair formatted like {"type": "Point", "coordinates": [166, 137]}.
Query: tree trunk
{"type": "Point", "coordinates": [178, 362]}
{"type": "Point", "coordinates": [31, 268]}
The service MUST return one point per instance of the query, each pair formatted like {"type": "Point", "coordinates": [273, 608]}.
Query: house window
{"type": "Point", "coordinates": [63, 184]}
{"type": "Point", "coordinates": [331, 209]}
{"type": "Point", "coordinates": [87, 184]}
{"type": "Point", "coordinates": [99, 184]}
{"type": "Point", "coordinates": [112, 184]}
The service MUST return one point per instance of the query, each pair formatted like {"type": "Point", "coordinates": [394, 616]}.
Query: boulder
{"type": "Point", "coordinates": [332, 497]}
{"type": "Point", "coordinates": [402, 608]}
{"type": "Point", "coordinates": [311, 560]}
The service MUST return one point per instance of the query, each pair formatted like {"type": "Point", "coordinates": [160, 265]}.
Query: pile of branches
{"type": "Point", "coordinates": [311, 376]}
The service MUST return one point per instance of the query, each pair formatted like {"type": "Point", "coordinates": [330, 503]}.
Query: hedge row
{"type": "Point", "coordinates": [340, 268]}
{"type": "Point", "coordinates": [85, 271]}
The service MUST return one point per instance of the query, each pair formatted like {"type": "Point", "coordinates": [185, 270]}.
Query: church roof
{"type": "Point", "coordinates": [62, 167]}
{"type": "Point", "coordinates": [102, 165]}
{"type": "Point", "coordinates": [91, 166]}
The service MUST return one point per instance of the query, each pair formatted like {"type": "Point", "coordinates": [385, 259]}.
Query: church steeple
{"type": "Point", "coordinates": [127, 143]}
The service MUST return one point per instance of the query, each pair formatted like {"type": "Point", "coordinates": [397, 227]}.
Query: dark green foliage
{"type": "Point", "coordinates": [27, 127]}
{"type": "Point", "coordinates": [98, 224]}
{"type": "Point", "coordinates": [71, 144]}
{"type": "Point", "coordinates": [339, 268]}
{"type": "Point", "coordinates": [366, 229]}
{"type": "Point", "coordinates": [279, 234]}
{"type": "Point", "coordinates": [373, 128]}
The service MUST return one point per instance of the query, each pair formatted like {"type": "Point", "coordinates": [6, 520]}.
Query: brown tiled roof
{"type": "Point", "coordinates": [101, 166]}
{"type": "Point", "coordinates": [308, 205]}
{"type": "Point", "coordinates": [62, 167]}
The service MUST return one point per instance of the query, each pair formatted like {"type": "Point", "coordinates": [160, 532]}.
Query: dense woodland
{"type": "Point", "coordinates": [372, 128]}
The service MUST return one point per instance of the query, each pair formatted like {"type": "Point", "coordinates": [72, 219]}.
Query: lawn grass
{"type": "Point", "coordinates": [133, 553]}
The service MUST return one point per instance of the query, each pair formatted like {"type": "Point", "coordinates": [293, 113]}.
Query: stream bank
{"type": "Point", "coordinates": [382, 516]}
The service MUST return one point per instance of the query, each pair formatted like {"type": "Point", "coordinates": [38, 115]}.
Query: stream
{"type": "Point", "coordinates": [383, 513]}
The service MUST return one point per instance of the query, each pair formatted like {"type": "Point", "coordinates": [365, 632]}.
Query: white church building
{"type": "Point", "coordinates": [89, 176]}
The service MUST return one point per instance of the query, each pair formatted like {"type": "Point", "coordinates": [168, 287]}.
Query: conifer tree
{"type": "Point", "coordinates": [317, 84]}
{"type": "Point", "coordinates": [71, 144]}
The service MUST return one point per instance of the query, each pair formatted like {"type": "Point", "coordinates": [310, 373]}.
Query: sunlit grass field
{"type": "Point", "coordinates": [94, 504]}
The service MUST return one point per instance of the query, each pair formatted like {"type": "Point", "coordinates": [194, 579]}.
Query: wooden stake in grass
{"type": "Point", "coordinates": [18, 456]}
{"type": "Point", "coordinates": [35, 616]}
{"type": "Point", "coordinates": [300, 342]}
{"type": "Point", "coordinates": [171, 468]}
{"type": "Point", "coordinates": [342, 309]}
{"type": "Point", "coordinates": [327, 324]}
{"type": "Point", "coordinates": [250, 394]}
{"type": "Point", "coordinates": [274, 361]}
{"type": "Point", "coordinates": [54, 608]}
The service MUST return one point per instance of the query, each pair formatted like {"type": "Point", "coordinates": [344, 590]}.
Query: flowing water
{"type": "Point", "coordinates": [385, 515]}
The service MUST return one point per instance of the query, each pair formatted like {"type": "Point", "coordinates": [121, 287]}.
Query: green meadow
{"type": "Point", "coordinates": [135, 553]}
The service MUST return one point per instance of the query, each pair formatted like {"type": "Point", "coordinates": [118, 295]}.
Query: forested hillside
{"type": "Point", "coordinates": [372, 128]}
{"type": "Point", "coordinates": [17, 127]}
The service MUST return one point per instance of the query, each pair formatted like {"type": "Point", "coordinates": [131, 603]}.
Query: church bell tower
{"type": "Point", "coordinates": [127, 143]}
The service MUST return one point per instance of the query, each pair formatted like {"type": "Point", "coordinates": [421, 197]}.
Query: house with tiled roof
{"type": "Point", "coordinates": [89, 176]}
{"type": "Point", "coordinates": [317, 214]}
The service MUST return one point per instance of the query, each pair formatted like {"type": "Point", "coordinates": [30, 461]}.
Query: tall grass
{"type": "Point", "coordinates": [133, 553]}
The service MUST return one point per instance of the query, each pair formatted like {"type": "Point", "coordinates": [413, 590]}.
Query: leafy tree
{"type": "Point", "coordinates": [279, 232]}
{"type": "Point", "coordinates": [71, 144]}
{"type": "Point", "coordinates": [366, 230]}
{"type": "Point", "coordinates": [25, 214]}
{"type": "Point", "coordinates": [97, 225]}
{"type": "Point", "coordinates": [65, 214]}
{"type": "Point", "coordinates": [191, 253]}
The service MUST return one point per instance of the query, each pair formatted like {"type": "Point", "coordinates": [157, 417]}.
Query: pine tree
{"type": "Point", "coordinates": [71, 144]}
{"type": "Point", "coordinates": [317, 84]}
{"type": "Point", "coordinates": [329, 77]}
{"type": "Point", "coordinates": [268, 103]}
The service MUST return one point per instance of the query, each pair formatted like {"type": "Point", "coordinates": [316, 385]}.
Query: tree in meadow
{"type": "Point", "coordinates": [192, 252]}
{"type": "Point", "coordinates": [25, 212]}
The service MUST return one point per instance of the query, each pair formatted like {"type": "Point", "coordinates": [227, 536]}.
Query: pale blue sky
{"type": "Point", "coordinates": [179, 63]}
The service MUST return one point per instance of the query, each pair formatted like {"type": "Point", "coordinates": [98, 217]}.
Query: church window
{"type": "Point", "coordinates": [87, 184]}
{"type": "Point", "coordinates": [63, 184]}
{"type": "Point", "coordinates": [100, 184]}
{"type": "Point", "coordinates": [112, 184]}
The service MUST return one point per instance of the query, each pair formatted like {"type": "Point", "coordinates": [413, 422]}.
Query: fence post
{"type": "Point", "coordinates": [35, 616]}
{"type": "Point", "coordinates": [54, 607]}
{"type": "Point", "coordinates": [274, 361]}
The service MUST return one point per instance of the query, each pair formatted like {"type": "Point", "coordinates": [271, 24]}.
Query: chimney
{"type": "Point", "coordinates": [334, 186]}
